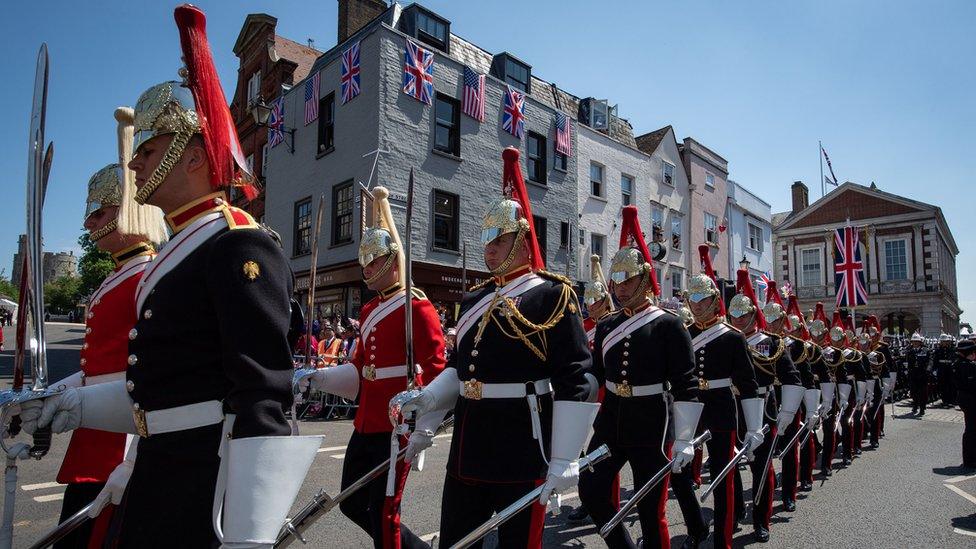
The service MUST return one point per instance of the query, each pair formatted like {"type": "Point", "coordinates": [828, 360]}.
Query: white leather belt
{"type": "Point", "coordinates": [476, 390]}
{"type": "Point", "coordinates": [104, 378]}
{"type": "Point", "coordinates": [707, 384]}
{"type": "Point", "coordinates": [180, 418]}
{"type": "Point", "coordinates": [763, 389]}
{"type": "Point", "coordinates": [625, 390]}
{"type": "Point", "coordinates": [372, 373]}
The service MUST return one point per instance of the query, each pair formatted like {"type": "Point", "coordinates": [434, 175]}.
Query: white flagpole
{"type": "Point", "coordinates": [823, 187]}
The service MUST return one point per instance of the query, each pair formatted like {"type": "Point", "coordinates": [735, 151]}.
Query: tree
{"type": "Point", "coordinates": [93, 267]}
{"type": "Point", "coordinates": [7, 288]}
{"type": "Point", "coordinates": [61, 294]}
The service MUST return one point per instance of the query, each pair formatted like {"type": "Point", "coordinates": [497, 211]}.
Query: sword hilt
{"type": "Point", "coordinates": [42, 443]}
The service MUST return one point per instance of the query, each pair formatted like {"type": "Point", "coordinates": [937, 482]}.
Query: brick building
{"type": "Point", "coordinates": [907, 245]}
{"type": "Point", "coordinates": [268, 62]}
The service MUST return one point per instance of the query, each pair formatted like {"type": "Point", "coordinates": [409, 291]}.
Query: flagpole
{"type": "Point", "coordinates": [823, 187]}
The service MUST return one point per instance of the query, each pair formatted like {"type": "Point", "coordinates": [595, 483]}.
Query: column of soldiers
{"type": "Point", "coordinates": [179, 413]}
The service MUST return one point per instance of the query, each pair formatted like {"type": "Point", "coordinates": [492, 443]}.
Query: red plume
{"type": "Point", "coordinates": [216, 124]}
{"type": "Point", "coordinates": [772, 294]}
{"type": "Point", "coordinates": [631, 235]}
{"type": "Point", "coordinates": [706, 263]}
{"type": "Point", "coordinates": [743, 285]}
{"type": "Point", "coordinates": [514, 185]}
{"type": "Point", "coordinates": [793, 308]}
{"type": "Point", "coordinates": [819, 313]}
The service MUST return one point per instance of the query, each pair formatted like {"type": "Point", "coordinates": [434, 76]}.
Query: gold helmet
{"type": "Point", "coordinates": [634, 259]}
{"type": "Point", "coordinates": [596, 288]}
{"type": "Point", "coordinates": [818, 326]}
{"type": "Point", "coordinates": [512, 213]}
{"type": "Point", "coordinates": [774, 309]}
{"type": "Point", "coordinates": [745, 301]}
{"type": "Point", "coordinates": [382, 239]}
{"type": "Point", "coordinates": [704, 285]}
{"type": "Point", "coordinates": [164, 109]}
{"type": "Point", "coordinates": [684, 313]}
{"type": "Point", "coordinates": [104, 189]}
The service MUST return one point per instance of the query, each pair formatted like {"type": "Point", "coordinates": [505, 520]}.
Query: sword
{"type": "Point", "coordinates": [802, 431]}
{"type": "Point", "coordinates": [62, 530]}
{"type": "Point", "coordinates": [646, 489]}
{"type": "Point", "coordinates": [311, 283]}
{"type": "Point", "coordinates": [765, 471]}
{"type": "Point", "coordinates": [739, 454]}
{"type": "Point", "coordinates": [591, 459]}
{"type": "Point", "coordinates": [322, 503]}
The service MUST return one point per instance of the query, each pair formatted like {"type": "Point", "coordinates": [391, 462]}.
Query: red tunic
{"type": "Point", "coordinates": [92, 455]}
{"type": "Point", "coordinates": [382, 344]}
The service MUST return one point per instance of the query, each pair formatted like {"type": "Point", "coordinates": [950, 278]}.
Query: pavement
{"type": "Point", "coordinates": [908, 493]}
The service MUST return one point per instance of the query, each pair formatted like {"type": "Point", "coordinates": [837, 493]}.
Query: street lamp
{"type": "Point", "coordinates": [262, 113]}
{"type": "Point", "coordinates": [744, 263]}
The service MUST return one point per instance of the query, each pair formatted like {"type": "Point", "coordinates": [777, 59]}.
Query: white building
{"type": "Point", "coordinates": [750, 232]}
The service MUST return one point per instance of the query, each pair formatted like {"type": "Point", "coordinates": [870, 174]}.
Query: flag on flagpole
{"type": "Point", "coordinates": [848, 269]}
{"type": "Point", "coordinates": [474, 95]}
{"type": "Point", "coordinates": [762, 283]}
{"type": "Point", "coordinates": [276, 122]}
{"type": "Point", "coordinates": [513, 118]}
{"type": "Point", "coordinates": [418, 73]}
{"type": "Point", "coordinates": [564, 134]}
{"type": "Point", "coordinates": [829, 167]}
{"type": "Point", "coordinates": [349, 76]}
{"type": "Point", "coordinates": [829, 181]}
{"type": "Point", "coordinates": [312, 98]}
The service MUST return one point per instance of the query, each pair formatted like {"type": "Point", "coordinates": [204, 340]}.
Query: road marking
{"type": "Point", "coordinates": [331, 448]}
{"type": "Point", "coordinates": [338, 456]}
{"type": "Point", "coordinates": [41, 486]}
{"type": "Point", "coordinates": [958, 479]}
{"type": "Point", "coordinates": [52, 497]}
{"type": "Point", "coordinates": [430, 536]}
{"type": "Point", "coordinates": [964, 532]}
{"type": "Point", "coordinates": [961, 492]}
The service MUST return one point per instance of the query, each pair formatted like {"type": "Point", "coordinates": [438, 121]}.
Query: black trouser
{"type": "Point", "coordinates": [829, 441]}
{"type": "Point", "coordinates": [875, 413]}
{"type": "Point", "coordinates": [369, 507]}
{"type": "Point", "coordinates": [76, 496]}
{"type": "Point", "coordinates": [920, 394]}
{"type": "Point", "coordinates": [721, 448]}
{"type": "Point", "coordinates": [808, 457]}
{"type": "Point", "coordinates": [969, 436]}
{"type": "Point", "coordinates": [683, 485]}
{"type": "Point", "coordinates": [466, 505]}
{"type": "Point", "coordinates": [763, 510]}
{"type": "Point", "coordinates": [946, 391]}
{"type": "Point", "coordinates": [596, 492]}
{"type": "Point", "coordinates": [791, 460]}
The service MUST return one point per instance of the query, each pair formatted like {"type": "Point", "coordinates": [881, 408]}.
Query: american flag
{"type": "Point", "coordinates": [848, 269]}
{"type": "Point", "coordinates": [276, 122]}
{"type": "Point", "coordinates": [564, 134]}
{"type": "Point", "coordinates": [474, 95]}
{"type": "Point", "coordinates": [513, 120]}
{"type": "Point", "coordinates": [418, 73]}
{"type": "Point", "coordinates": [312, 98]}
{"type": "Point", "coordinates": [349, 79]}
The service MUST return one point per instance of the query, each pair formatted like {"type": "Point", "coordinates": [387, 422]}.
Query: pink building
{"type": "Point", "coordinates": [708, 197]}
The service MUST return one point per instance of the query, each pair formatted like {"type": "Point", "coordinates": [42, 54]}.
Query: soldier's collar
{"type": "Point", "coordinates": [186, 214]}
{"type": "Point", "coordinates": [632, 312]}
{"type": "Point", "coordinates": [390, 292]}
{"type": "Point", "coordinates": [708, 323]}
{"type": "Point", "coordinates": [132, 252]}
{"type": "Point", "coordinates": [501, 280]}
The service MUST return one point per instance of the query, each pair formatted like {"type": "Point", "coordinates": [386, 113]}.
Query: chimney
{"type": "Point", "coordinates": [801, 198]}
{"type": "Point", "coordinates": [354, 14]}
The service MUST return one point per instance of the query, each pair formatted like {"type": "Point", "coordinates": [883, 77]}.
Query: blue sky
{"type": "Point", "coordinates": [887, 85]}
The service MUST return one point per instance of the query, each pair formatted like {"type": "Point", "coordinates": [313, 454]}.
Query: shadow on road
{"type": "Point", "coordinates": [953, 470]}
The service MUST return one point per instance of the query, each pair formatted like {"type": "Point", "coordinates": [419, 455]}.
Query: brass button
{"type": "Point", "coordinates": [133, 333]}
{"type": "Point", "coordinates": [135, 406]}
{"type": "Point", "coordinates": [626, 344]}
{"type": "Point", "coordinates": [84, 347]}
{"type": "Point", "coordinates": [372, 347]}
{"type": "Point", "coordinates": [83, 362]}
{"type": "Point", "coordinates": [219, 201]}
{"type": "Point", "coordinates": [132, 360]}
{"type": "Point", "coordinates": [623, 372]}
{"type": "Point", "coordinates": [87, 330]}
{"type": "Point", "coordinates": [626, 363]}
{"type": "Point", "coordinates": [371, 338]}
{"type": "Point", "coordinates": [91, 314]}
{"type": "Point", "coordinates": [129, 386]}
{"type": "Point", "coordinates": [148, 314]}
{"type": "Point", "coordinates": [474, 352]}
{"type": "Point", "coordinates": [701, 351]}
{"type": "Point", "coordinates": [471, 368]}
{"type": "Point", "coordinates": [628, 336]}
{"type": "Point", "coordinates": [626, 353]}
{"type": "Point", "coordinates": [97, 301]}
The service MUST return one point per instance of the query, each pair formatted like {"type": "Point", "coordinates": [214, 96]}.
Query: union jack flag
{"type": "Point", "coordinates": [848, 269]}
{"type": "Point", "coordinates": [349, 78]}
{"type": "Point", "coordinates": [276, 122]}
{"type": "Point", "coordinates": [564, 134]}
{"type": "Point", "coordinates": [762, 284]}
{"type": "Point", "coordinates": [312, 98]}
{"type": "Point", "coordinates": [418, 73]}
{"type": "Point", "coordinates": [513, 120]}
{"type": "Point", "coordinates": [474, 95]}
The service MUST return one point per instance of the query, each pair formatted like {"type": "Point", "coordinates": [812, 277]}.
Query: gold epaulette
{"type": "Point", "coordinates": [554, 277]}
{"type": "Point", "coordinates": [417, 293]}
{"type": "Point", "coordinates": [239, 219]}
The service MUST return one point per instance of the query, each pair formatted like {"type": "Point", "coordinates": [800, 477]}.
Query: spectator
{"type": "Point", "coordinates": [301, 347]}
{"type": "Point", "coordinates": [450, 340]}
{"type": "Point", "coordinates": [329, 345]}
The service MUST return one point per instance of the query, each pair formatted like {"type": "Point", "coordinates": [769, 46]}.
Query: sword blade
{"type": "Point", "coordinates": [408, 282]}
{"type": "Point", "coordinates": [765, 470]}
{"type": "Point", "coordinates": [310, 303]}
{"type": "Point", "coordinates": [739, 454]}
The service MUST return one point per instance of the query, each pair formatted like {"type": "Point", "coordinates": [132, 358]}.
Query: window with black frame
{"type": "Point", "coordinates": [326, 123]}
{"type": "Point", "coordinates": [535, 158]}
{"type": "Point", "coordinates": [447, 125]}
{"type": "Point", "coordinates": [303, 226]}
{"type": "Point", "coordinates": [540, 234]}
{"type": "Point", "coordinates": [342, 210]}
{"type": "Point", "coordinates": [446, 221]}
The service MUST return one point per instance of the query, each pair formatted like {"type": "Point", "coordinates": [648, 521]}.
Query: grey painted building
{"type": "Point", "coordinates": [750, 232]}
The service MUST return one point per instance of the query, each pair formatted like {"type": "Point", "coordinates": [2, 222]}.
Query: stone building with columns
{"type": "Point", "coordinates": [909, 251]}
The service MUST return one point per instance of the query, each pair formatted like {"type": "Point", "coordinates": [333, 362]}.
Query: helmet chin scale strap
{"type": "Point", "coordinates": [173, 154]}
{"type": "Point", "coordinates": [640, 295]}
{"type": "Point", "coordinates": [385, 269]}
{"type": "Point", "coordinates": [104, 231]}
{"type": "Point", "coordinates": [504, 267]}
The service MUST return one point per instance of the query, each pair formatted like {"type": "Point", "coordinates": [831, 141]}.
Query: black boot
{"type": "Point", "coordinates": [789, 505]}
{"type": "Point", "coordinates": [806, 486]}
{"type": "Point", "coordinates": [761, 534]}
{"type": "Point", "coordinates": [578, 515]}
{"type": "Point", "coordinates": [693, 541]}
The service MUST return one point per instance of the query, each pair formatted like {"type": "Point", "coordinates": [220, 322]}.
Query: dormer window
{"type": "Point", "coordinates": [513, 72]}
{"type": "Point", "coordinates": [426, 27]}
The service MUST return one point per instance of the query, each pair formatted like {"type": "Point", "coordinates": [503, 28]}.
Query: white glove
{"type": "Point", "coordinates": [753, 410]}
{"type": "Point", "coordinates": [318, 377]}
{"type": "Point", "coordinates": [62, 412]}
{"type": "Point", "coordinates": [21, 450]}
{"type": "Point", "coordinates": [682, 453]}
{"type": "Point", "coordinates": [686, 416]}
{"type": "Point", "coordinates": [753, 441]}
{"type": "Point", "coordinates": [563, 475]}
{"type": "Point", "coordinates": [813, 419]}
{"type": "Point", "coordinates": [419, 441]}
{"type": "Point", "coordinates": [784, 419]}
{"type": "Point", "coordinates": [114, 488]}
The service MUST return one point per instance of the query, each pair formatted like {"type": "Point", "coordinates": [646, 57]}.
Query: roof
{"type": "Point", "coordinates": [779, 218]}
{"type": "Point", "coordinates": [650, 141]}
{"type": "Point", "coordinates": [301, 55]}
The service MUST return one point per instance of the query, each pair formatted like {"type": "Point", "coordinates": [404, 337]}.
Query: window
{"type": "Point", "coordinates": [535, 158]}
{"type": "Point", "coordinates": [559, 161]}
{"type": "Point", "coordinates": [676, 280]}
{"type": "Point", "coordinates": [657, 223]}
{"type": "Point", "coordinates": [253, 88]}
{"type": "Point", "coordinates": [563, 235]}
{"type": "Point", "coordinates": [597, 244]}
{"type": "Point", "coordinates": [432, 30]}
{"type": "Point", "coordinates": [896, 260]}
{"type": "Point", "coordinates": [303, 226]}
{"type": "Point", "coordinates": [582, 237]}
{"type": "Point", "coordinates": [667, 174]}
{"type": "Point", "coordinates": [540, 235]}
{"type": "Point", "coordinates": [626, 189]}
{"type": "Point", "coordinates": [810, 267]}
{"type": "Point", "coordinates": [516, 74]}
{"type": "Point", "coordinates": [596, 179]}
{"type": "Point", "coordinates": [711, 228]}
{"type": "Point", "coordinates": [658, 275]}
{"type": "Point", "coordinates": [755, 237]}
{"type": "Point", "coordinates": [676, 233]}
{"type": "Point", "coordinates": [709, 180]}
{"type": "Point", "coordinates": [447, 132]}
{"type": "Point", "coordinates": [264, 160]}
{"type": "Point", "coordinates": [342, 208]}
{"type": "Point", "coordinates": [326, 123]}
{"type": "Point", "coordinates": [446, 220]}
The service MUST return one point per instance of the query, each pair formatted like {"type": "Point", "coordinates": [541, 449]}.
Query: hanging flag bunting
{"type": "Point", "coordinates": [418, 73]}
{"type": "Point", "coordinates": [276, 122]}
{"type": "Point", "coordinates": [349, 78]}
{"type": "Point", "coordinates": [848, 269]}
{"type": "Point", "coordinates": [312, 98]}
{"type": "Point", "coordinates": [513, 119]}
{"type": "Point", "coordinates": [564, 134]}
{"type": "Point", "coordinates": [474, 95]}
